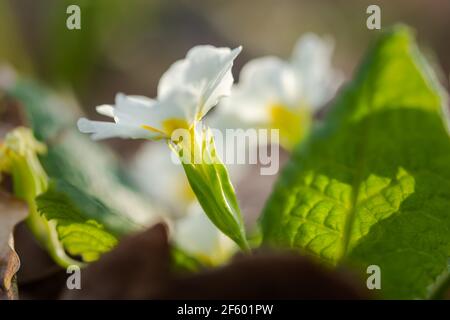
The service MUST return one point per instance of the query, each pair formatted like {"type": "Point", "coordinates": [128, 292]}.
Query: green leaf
{"type": "Point", "coordinates": [372, 184]}
{"type": "Point", "coordinates": [68, 207]}
{"type": "Point", "coordinates": [62, 198]}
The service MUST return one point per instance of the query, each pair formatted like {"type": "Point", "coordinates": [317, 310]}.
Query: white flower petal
{"type": "Point", "coordinates": [272, 79]}
{"type": "Point", "coordinates": [185, 94]}
{"type": "Point", "coordinates": [178, 104]}
{"type": "Point", "coordinates": [104, 130]}
{"type": "Point", "coordinates": [133, 111]}
{"type": "Point", "coordinates": [105, 110]}
{"type": "Point", "coordinates": [173, 78]}
{"type": "Point", "coordinates": [143, 100]}
{"type": "Point", "coordinates": [137, 117]}
{"type": "Point", "coordinates": [206, 70]}
{"type": "Point", "coordinates": [221, 85]}
{"type": "Point", "coordinates": [264, 82]}
{"type": "Point", "coordinates": [312, 60]}
{"type": "Point", "coordinates": [240, 110]}
{"type": "Point", "coordinates": [130, 113]}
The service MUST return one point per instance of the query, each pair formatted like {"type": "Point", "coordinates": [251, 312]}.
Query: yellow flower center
{"type": "Point", "coordinates": [168, 126]}
{"type": "Point", "coordinates": [292, 123]}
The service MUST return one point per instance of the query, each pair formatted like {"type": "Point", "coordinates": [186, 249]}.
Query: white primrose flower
{"type": "Point", "coordinates": [273, 93]}
{"type": "Point", "coordinates": [186, 92]}
{"type": "Point", "coordinates": [163, 180]}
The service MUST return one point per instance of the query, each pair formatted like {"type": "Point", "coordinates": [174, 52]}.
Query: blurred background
{"type": "Point", "coordinates": [125, 46]}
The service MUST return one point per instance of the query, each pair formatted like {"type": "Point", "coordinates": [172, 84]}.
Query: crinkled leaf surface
{"type": "Point", "coordinates": [70, 208]}
{"type": "Point", "coordinates": [372, 185]}
{"type": "Point", "coordinates": [62, 196]}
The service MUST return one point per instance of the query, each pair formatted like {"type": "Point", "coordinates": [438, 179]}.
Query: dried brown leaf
{"type": "Point", "coordinates": [139, 268]}
{"type": "Point", "coordinates": [267, 275]}
{"type": "Point", "coordinates": [12, 211]}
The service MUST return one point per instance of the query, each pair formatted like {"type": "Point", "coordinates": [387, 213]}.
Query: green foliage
{"type": "Point", "coordinates": [89, 204]}
{"type": "Point", "coordinates": [63, 218]}
{"type": "Point", "coordinates": [79, 234]}
{"type": "Point", "coordinates": [372, 184]}
{"type": "Point", "coordinates": [63, 199]}
{"type": "Point", "coordinates": [18, 157]}
{"type": "Point", "coordinates": [81, 163]}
